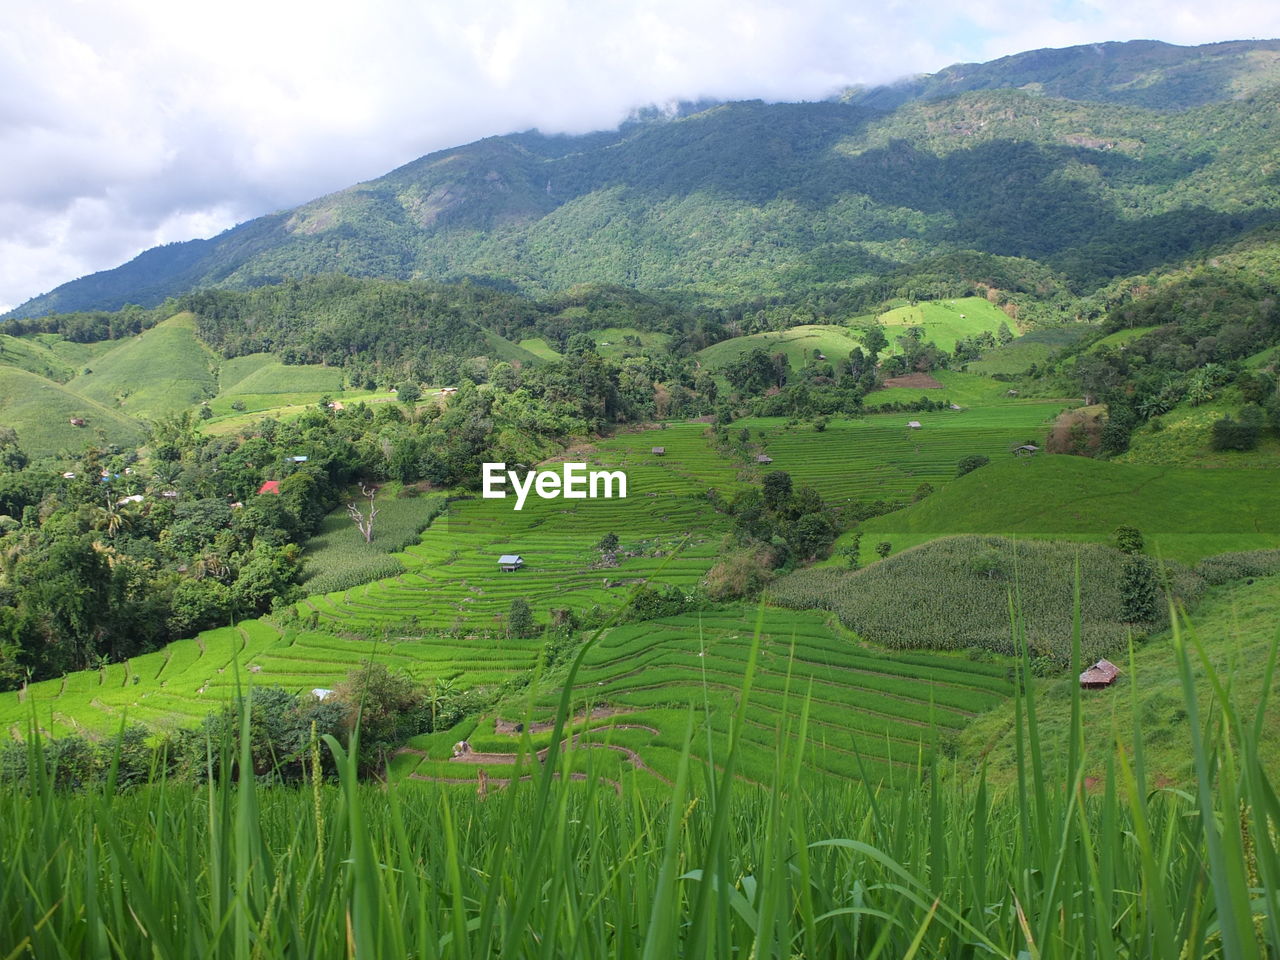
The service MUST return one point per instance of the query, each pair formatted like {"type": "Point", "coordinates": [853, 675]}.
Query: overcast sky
{"type": "Point", "coordinates": [128, 123]}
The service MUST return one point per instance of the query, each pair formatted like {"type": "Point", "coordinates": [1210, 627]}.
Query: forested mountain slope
{"type": "Point", "coordinates": [1094, 165]}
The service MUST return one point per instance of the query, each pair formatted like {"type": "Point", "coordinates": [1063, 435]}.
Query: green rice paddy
{"type": "Point", "coordinates": [872, 715]}
{"type": "Point", "coordinates": [879, 457]}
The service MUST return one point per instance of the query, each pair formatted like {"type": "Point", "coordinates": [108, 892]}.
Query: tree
{"type": "Point", "coordinates": [389, 708]}
{"type": "Point", "coordinates": [520, 622]}
{"type": "Point", "coordinates": [1139, 590]}
{"type": "Point", "coordinates": [777, 489]}
{"type": "Point", "coordinates": [852, 551]}
{"type": "Point", "coordinates": [810, 534]}
{"type": "Point", "coordinates": [608, 543]}
{"type": "Point", "coordinates": [364, 523]}
{"type": "Point", "coordinates": [874, 341]}
{"type": "Point", "coordinates": [1128, 539]}
{"type": "Point", "coordinates": [971, 463]}
{"type": "Point", "coordinates": [883, 548]}
{"type": "Point", "coordinates": [408, 393]}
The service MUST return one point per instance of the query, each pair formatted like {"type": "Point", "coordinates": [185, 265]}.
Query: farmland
{"type": "Point", "coordinates": [872, 715]}
{"type": "Point", "coordinates": [1245, 619]}
{"type": "Point", "coordinates": [41, 411]}
{"type": "Point", "coordinates": [797, 344]}
{"type": "Point", "coordinates": [942, 321]}
{"type": "Point", "coordinates": [1033, 347]}
{"type": "Point", "coordinates": [261, 373]}
{"type": "Point", "coordinates": [452, 579]}
{"type": "Point", "coordinates": [1184, 513]}
{"type": "Point", "coordinates": [964, 389]}
{"type": "Point", "coordinates": [163, 370]}
{"type": "Point", "coordinates": [878, 457]}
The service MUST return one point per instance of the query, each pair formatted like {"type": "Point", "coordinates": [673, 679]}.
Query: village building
{"type": "Point", "coordinates": [764, 458]}
{"type": "Point", "coordinates": [510, 562]}
{"type": "Point", "coordinates": [1101, 674]}
{"type": "Point", "coordinates": [659, 451]}
{"type": "Point", "coordinates": [271, 486]}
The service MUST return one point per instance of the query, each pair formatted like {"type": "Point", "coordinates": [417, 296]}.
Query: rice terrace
{"type": "Point", "coordinates": [817, 529]}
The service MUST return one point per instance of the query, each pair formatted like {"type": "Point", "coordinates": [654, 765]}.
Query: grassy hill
{"type": "Point", "coordinates": [164, 370]}
{"type": "Point", "coordinates": [797, 343]}
{"type": "Point", "coordinates": [1183, 512]}
{"type": "Point", "coordinates": [27, 353]}
{"type": "Point", "coordinates": [259, 374]}
{"type": "Point", "coordinates": [1239, 625]}
{"type": "Point", "coordinates": [41, 412]}
{"type": "Point", "coordinates": [943, 321]}
{"type": "Point", "coordinates": [878, 457]}
{"type": "Point", "coordinates": [1183, 437]}
{"type": "Point", "coordinates": [1034, 347]}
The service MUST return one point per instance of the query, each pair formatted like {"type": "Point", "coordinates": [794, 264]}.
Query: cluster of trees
{"type": "Point", "coordinates": [285, 733]}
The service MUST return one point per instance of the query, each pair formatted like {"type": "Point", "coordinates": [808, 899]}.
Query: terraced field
{"type": "Point", "coordinates": [452, 584]}
{"type": "Point", "coordinates": [189, 679]}
{"type": "Point", "coordinates": [453, 580]}
{"type": "Point", "coordinates": [1184, 513]}
{"type": "Point", "coordinates": [870, 714]}
{"type": "Point", "coordinates": [879, 457]}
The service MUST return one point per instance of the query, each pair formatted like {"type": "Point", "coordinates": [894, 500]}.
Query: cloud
{"type": "Point", "coordinates": [127, 123]}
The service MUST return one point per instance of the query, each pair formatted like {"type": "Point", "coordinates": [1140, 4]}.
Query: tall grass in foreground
{"type": "Point", "coordinates": [712, 869]}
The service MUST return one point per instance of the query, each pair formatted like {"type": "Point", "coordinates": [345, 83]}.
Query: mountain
{"type": "Point", "coordinates": [1140, 73]}
{"type": "Point", "coordinates": [1094, 161]}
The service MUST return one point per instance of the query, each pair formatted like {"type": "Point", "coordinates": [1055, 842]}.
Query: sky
{"type": "Point", "coordinates": [129, 123]}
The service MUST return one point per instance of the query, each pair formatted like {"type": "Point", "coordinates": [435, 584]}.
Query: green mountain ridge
{"type": "Point", "coordinates": [744, 199]}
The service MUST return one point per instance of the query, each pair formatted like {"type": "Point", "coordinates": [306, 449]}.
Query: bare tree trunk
{"type": "Point", "coordinates": [364, 524]}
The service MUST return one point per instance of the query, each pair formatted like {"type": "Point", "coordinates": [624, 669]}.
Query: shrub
{"type": "Point", "coordinates": [971, 463]}
{"type": "Point", "coordinates": [1239, 566]}
{"type": "Point", "coordinates": [520, 621]}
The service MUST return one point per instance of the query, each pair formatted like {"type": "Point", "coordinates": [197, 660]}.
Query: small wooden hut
{"type": "Point", "coordinates": [1101, 674]}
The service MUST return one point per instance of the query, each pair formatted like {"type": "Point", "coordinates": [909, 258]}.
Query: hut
{"type": "Point", "coordinates": [659, 451]}
{"type": "Point", "coordinates": [322, 693]}
{"type": "Point", "coordinates": [299, 459]}
{"type": "Point", "coordinates": [77, 421]}
{"type": "Point", "coordinates": [510, 562]}
{"type": "Point", "coordinates": [913, 425]}
{"type": "Point", "coordinates": [271, 486]}
{"type": "Point", "coordinates": [1101, 674]}
{"type": "Point", "coordinates": [764, 458]}
{"type": "Point", "coordinates": [1026, 450]}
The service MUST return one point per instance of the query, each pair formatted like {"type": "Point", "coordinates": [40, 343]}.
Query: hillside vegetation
{"type": "Point", "coordinates": [746, 199]}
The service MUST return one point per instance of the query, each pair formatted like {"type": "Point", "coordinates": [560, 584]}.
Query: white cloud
{"type": "Point", "coordinates": [124, 123]}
